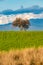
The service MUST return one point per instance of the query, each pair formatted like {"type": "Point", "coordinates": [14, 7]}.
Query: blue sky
{"type": "Point", "coordinates": [16, 4]}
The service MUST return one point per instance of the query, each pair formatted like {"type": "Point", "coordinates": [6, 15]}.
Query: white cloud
{"type": "Point", "coordinates": [3, 20]}
{"type": "Point", "coordinates": [8, 19]}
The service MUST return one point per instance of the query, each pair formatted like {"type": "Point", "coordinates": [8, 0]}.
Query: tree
{"type": "Point", "coordinates": [22, 24]}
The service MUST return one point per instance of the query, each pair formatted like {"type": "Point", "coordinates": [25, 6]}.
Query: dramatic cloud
{"type": "Point", "coordinates": [10, 18]}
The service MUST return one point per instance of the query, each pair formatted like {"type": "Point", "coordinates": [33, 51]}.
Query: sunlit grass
{"type": "Point", "coordinates": [20, 39]}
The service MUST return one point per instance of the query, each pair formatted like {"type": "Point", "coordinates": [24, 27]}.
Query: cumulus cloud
{"type": "Point", "coordinates": [3, 20]}
{"type": "Point", "coordinates": [9, 19]}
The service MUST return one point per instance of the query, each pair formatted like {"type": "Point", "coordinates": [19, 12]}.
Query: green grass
{"type": "Point", "coordinates": [21, 39]}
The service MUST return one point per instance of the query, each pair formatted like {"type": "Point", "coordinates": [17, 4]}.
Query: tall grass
{"type": "Point", "coordinates": [29, 56]}
{"type": "Point", "coordinates": [20, 39]}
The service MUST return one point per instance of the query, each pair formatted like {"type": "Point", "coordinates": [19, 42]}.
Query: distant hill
{"type": "Point", "coordinates": [34, 9]}
{"type": "Point", "coordinates": [36, 24]}
{"type": "Point", "coordinates": [6, 26]}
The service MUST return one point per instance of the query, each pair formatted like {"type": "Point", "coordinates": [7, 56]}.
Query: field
{"type": "Point", "coordinates": [21, 48]}
{"type": "Point", "coordinates": [20, 39]}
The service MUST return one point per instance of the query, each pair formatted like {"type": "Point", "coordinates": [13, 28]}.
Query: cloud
{"type": "Point", "coordinates": [3, 20]}
{"type": "Point", "coordinates": [10, 18]}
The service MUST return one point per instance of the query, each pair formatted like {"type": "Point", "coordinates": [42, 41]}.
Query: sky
{"type": "Point", "coordinates": [16, 4]}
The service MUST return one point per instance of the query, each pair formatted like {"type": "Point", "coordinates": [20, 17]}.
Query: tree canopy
{"type": "Point", "coordinates": [21, 23]}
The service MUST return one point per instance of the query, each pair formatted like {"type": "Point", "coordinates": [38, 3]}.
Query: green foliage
{"type": "Point", "coordinates": [20, 39]}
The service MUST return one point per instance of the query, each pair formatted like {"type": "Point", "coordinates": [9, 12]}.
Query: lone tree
{"type": "Point", "coordinates": [22, 24]}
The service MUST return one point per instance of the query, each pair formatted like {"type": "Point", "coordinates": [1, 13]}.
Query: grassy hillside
{"type": "Point", "coordinates": [20, 39]}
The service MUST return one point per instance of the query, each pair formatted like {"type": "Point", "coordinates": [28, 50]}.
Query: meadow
{"type": "Point", "coordinates": [21, 47]}
{"type": "Point", "coordinates": [20, 39]}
